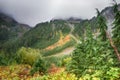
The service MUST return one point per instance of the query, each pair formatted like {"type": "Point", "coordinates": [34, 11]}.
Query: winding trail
{"type": "Point", "coordinates": [68, 50]}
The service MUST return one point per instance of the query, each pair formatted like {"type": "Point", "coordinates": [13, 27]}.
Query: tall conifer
{"type": "Point", "coordinates": [116, 28]}
{"type": "Point", "coordinates": [102, 25]}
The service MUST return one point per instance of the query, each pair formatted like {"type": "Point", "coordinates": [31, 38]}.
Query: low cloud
{"type": "Point", "coordinates": [32, 12]}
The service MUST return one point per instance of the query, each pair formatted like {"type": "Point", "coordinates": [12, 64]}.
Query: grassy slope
{"type": "Point", "coordinates": [44, 34]}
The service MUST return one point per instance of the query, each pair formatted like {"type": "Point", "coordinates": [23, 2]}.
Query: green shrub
{"type": "Point", "coordinates": [113, 73]}
{"type": "Point", "coordinates": [27, 55]}
{"type": "Point", "coordinates": [39, 66]}
{"type": "Point", "coordinates": [3, 60]}
{"type": "Point", "coordinates": [66, 60]}
{"type": "Point", "coordinates": [53, 60]}
{"type": "Point", "coordinates": [60, 61]}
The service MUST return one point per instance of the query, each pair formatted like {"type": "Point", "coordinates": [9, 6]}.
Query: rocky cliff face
{"type": "Point", "coordinates": [108, 13]}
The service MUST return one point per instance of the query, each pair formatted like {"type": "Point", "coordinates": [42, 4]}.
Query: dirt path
{"type": "Point", "coordinates": [66, 51]}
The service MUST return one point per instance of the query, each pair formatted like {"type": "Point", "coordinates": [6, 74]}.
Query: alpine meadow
{"type": "Point", "coordinates": [62, 48]}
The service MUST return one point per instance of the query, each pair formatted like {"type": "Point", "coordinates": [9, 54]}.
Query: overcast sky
{"type": "Point", "coordinates": [32, 12]}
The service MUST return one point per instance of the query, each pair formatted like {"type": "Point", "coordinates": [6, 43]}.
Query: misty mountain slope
{"type": "Point", "coordinates": [10, 30]}
{"type": "Point", "coordinates": [108, 13]}
{"type": "Point", "coordinates": [51, 38]}
{"type": "Point", "coordinates": [45, 34]}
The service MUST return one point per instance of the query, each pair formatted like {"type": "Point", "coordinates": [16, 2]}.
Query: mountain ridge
{"type": "Point", "coordinates": [48, 33]}
{"type": "Point", "coordinates": [10, 29]}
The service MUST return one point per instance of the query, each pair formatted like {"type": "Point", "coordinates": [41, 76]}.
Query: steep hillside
{"type": "Point", "coordinates": [10, 30]}
{"type": "Point", "coordinates": [45, 34]}
{"type": "Point", "coordinates": [80, 25]}
{"type": "Point", "coordinates": [48, 51]}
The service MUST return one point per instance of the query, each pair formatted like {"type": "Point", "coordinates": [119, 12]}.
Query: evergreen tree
{"type": "Point", "coordinates": [93, 57]}
{"type": "Point", "coordinates": [102, 25]}
{"type": "Point", "coordinates": [90, 56]}
{"type": "Point", "coordinates": [116, 28]}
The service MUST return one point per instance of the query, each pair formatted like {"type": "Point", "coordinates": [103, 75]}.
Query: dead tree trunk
{"type": "Point", "coordinates": [113, 46]}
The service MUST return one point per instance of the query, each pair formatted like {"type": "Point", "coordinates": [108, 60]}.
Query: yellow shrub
{"type": "Point", "coordinates": [59, 76]}
{"type": "Point", "coordinates": [28, 55]}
